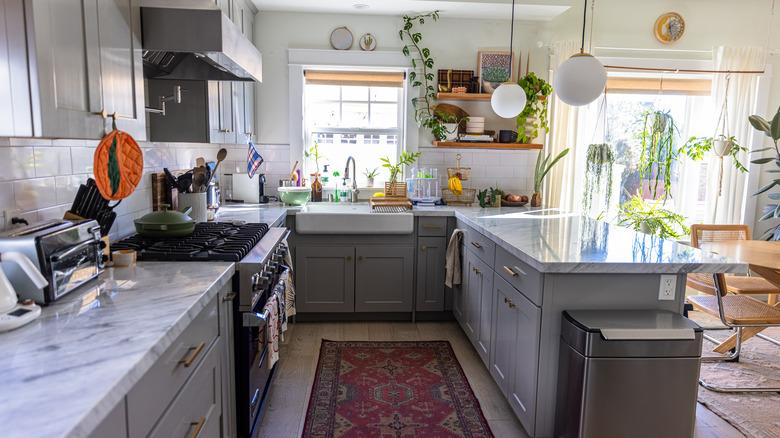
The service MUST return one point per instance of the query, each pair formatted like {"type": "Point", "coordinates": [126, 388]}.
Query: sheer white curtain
{"type": "Point", "coordinates": [560, 189]}
{"type": "Point", "coordinates": [741, 97]}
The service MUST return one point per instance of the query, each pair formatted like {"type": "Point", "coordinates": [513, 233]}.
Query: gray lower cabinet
{"type": "Point", "coordinates": [384, 278]}
{"type": "Point", "coordinates": [115, 423]}
{"type": "Point", "coordinates": [431, 256]}
{"type": "Point", "coordinates": [477, 299]}
{"type": "Point", "coordinates": [515, 354]}
{"type": "Point", "coordinates": [82, 58]}
{"type": "Point", "coordinates": [325, 278]}
{"type": "Point", "coordinates": [226, 332]}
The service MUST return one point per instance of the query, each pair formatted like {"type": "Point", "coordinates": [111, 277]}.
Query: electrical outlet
{"type": "Point", "coordinates": [666, 290]}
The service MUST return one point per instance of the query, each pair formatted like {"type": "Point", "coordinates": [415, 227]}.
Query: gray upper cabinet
{"type": "Point", "coordinates": [82, 58]}
{"type": "Point", "coordinates": [325, 279]}
{"type": "Point", "coordinates": [431, 252]}
{"type": "Point", "coordinates": [384, 279]}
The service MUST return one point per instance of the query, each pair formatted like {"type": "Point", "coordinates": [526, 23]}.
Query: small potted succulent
{"type": "Point", "coordinates": [370, 175]}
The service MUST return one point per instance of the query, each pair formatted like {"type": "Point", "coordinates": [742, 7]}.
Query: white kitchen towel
{"type": "Point", "coordinates": [288, 260]}
{"type": "Point", "coordinates": [272, 336]}
{"type": "Point", "coordinates": [289, 291]}
{"type": "Point", "coordinates": [452, 265]}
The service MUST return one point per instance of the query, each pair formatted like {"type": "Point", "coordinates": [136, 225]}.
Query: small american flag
{"type": "Point", "coordinates": [253, 160]}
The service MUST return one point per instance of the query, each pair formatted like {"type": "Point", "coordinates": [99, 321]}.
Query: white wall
{"type": "Point", "coordinates": [628, 24]}
{"type": "Point", "coordinates": [454, 44]}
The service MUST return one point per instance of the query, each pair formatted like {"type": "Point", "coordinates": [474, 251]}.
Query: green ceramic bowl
{"type": "Point", "coordinates": [294, 195]}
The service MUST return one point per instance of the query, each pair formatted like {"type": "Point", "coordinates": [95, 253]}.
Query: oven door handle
{"type": "Point", "coordinates": [255, 319]}
{"type": "Point", "coordinates": [72, 250]}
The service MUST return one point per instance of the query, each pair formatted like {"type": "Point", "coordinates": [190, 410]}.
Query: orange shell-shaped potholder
{"type": "Point", "coordinates": [118, 165]}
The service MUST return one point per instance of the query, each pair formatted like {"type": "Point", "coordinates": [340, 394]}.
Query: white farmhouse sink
{"type": "Point", "coordinates": [350, 219]}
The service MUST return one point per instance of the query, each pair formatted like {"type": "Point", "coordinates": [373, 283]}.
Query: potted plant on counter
{"type": "Point", "coordinates": [316, 186]}
{"type": "Point", "coordinates": [652, 218]}
{"type": "Point", "coordinates": [544, 163]}
{"type": "Point", "coordinates": [534, 116]}
{"type": "Point", "coordinates": [393, 187]}
{"type": "Point", "coordinates": [370, 175]}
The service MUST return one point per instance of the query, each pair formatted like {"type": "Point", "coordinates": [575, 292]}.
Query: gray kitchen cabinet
{"type": "Point", "coordinates": [115, 423]}
{"type": "Point", "coordinates": [325, 279]}
{"type": "Point", "coordinates": [82, 58]}
{"type": "Point", "coordinates": [222, 128]}
{"type": "Point", "coordinates": [246, 109]}
{"type": "Point", "coordinates": [384, 279]}
{"type": "Point", "coordinates": [514, 358]}
{"type": "Point", "coordinates": [431, 253]}
{"type": "Point", "coordinates": [226, 332]}
{"type": "Point", "coordinates": [15, 104]}
{"type": "Point", "coordinates": [477, 302]}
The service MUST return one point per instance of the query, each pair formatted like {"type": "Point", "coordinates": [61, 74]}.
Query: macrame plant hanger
{"type": "Point", "coordinates": [721, 143]}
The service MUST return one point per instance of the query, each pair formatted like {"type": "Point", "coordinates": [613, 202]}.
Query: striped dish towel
{"type": "Point", "coordinates": [253, 160]}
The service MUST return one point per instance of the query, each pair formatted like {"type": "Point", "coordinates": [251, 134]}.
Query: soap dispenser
{"type": "Point", "coordinates": [12, 313]}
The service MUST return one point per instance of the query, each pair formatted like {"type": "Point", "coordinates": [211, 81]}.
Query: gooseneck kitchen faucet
{"type": "Point", "coordinates": [355, 191]}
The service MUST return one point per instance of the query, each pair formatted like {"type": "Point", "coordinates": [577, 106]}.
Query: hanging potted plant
{"type": "Point", "coordinates": [598, 174]}
{"type": "Point", "coordinates": [544, 163]}
{"type": "Point", "coordinates": [534, 115]}
{"type": "Point", "coordinates": [657, 155]}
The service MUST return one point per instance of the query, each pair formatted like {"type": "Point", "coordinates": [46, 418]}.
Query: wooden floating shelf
{"type": "Point", "coordinates": [474, 145]}
{"type": "Point", "coordinates": [463, 96]}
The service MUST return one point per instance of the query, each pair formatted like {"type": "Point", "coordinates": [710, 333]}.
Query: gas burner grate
{"type": "Point", "coordinates": [220, 241]}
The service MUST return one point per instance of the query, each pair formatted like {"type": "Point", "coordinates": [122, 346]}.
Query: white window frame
{"type": "Point", "coordinates": [300, 60]}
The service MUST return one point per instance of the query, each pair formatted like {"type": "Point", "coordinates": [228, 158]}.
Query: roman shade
{"type": "Point", "coordinates": [354, 78]}
{"type": "Point", "coordinates": [691, 87]}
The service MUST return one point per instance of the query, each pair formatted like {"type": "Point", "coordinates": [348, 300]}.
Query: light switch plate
{"type": "Point", "coordinates": [667, 287]}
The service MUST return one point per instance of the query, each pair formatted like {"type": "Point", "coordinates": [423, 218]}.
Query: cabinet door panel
{"type": "Point", "coordinates": [430, 273]}
{"type": "Point", "coordinates": [325, 279]}
{"type": "Point", "coordinates": [522, 396]}
{"type": "Point", "coordinates": [384, 279]}
{"type": "Point", "coordinates": [471, 298]}
{"type": "Point", "coordinates": [504, 326]}
{"type": "Point", "coordinates": [15, 102]}
{"type": "Point", "coordinates": [484, 334]}
{"type": "Point", "coordinates": [228, 111]}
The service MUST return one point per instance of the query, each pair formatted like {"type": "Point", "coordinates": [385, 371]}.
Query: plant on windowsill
{"type": "Point", "coordinates": [544, 163]}
{"type": "Point", "coordinates": [370, 175]}
{"type": "Point", "coordinates": [393, 187]}
{"type": "Point", "coordinates": [771, 211]}
{"type": "Point", "coordinates": [421, 76]}
{"type": "Point", "coordinates": [658, 154]}
{"type": "Point", "coordinates": [598, 175]}
{"type": "Point", "coordinates": [652, 218]}
{"type": "Point", "coordinates": [534, 115]}
{"type": "Point", "coordinates": [316, 186]}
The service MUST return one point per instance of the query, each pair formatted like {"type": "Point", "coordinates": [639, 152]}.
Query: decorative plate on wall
{"type": "Point", "coordinates": [669, 27]}
{"type": "Point", "coordinates": [341, 38]}
{"type": "Point", "coordinates": [368, 42]}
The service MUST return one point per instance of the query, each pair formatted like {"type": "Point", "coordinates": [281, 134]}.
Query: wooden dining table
{"type": "Point", "coordinates": [763, 258]}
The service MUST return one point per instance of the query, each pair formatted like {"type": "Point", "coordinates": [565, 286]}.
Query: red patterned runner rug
{"type": "Point", "coordinates": [394, 390]}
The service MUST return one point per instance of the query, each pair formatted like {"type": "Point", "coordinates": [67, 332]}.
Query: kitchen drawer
{"type": "Point", "coordinates": [431, 226]}
{"type": "Point", "coordinates": [520, 275]}
{"type": "Point", "coordinates": [196, 410]}
{"type": "Point", "coordinates": [148, 399]}
{"type": "Point", "coordinates": [480, 245]}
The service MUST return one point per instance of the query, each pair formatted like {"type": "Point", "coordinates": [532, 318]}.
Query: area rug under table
{"type": "Point", "coordinates": [392, 389]}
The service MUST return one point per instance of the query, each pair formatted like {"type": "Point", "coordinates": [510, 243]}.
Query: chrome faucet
{"type": "Point", "coordinates": [354, 192]}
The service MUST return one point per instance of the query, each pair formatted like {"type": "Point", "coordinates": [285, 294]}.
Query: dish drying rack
{"type": "Point", "coordinates": [468, 195]}
{"type": "Point", "coordinates": [390, 204]}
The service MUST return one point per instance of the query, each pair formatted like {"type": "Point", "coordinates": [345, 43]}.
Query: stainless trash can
{"type": "Point", "coordinates": [627, 373]}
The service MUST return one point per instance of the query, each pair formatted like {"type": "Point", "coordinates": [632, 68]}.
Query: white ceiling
{"type": "Point", "coordinates": [539, 10]}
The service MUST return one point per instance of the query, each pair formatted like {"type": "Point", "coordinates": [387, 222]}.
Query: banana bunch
{"type": "Point", "coordinates": [455, 185]}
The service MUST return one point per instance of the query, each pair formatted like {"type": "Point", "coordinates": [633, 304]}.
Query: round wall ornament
{"type": "Point", "coordinates": [669, 27]}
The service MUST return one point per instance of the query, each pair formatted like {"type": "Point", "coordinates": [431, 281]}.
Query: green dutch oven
{"type": "Point", "coordinates": [166, 223]}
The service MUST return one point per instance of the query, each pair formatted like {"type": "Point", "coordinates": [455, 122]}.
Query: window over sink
{"type": "Point", "coordinates": [358, 114]}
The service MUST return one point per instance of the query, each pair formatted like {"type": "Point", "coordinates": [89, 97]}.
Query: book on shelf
{"type": "Point", "coordinates": [479, 138]}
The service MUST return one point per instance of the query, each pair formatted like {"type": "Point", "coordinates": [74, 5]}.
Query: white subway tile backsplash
{"type": "Point", "coordinates": [81, 159]}
{"type": "Point", "coordinates": [19, 163]}
{"type": "Point", "coordinates": [35, 194]}
{"type": "Point", "coordinates": [52, 161]}
{"type": "Point", "coordinates": [66, 187]}
{"type": "Point", "coordinates": [6, 195]}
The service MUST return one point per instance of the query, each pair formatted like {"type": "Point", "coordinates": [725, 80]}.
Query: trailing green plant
{"type": "Point", "coordinates": [697, 147]}
{"type": "Point", "coordinates": [544, 163]}
{"type": "Point", "coordinates": [537, 91]}
{"type": "Point", "coordinates": [771, 130]}
{"type": "Point", "coordinates": [652, 218]}
{"type": "Point", "coordinates": [405, 159]}
{"type": "Point", "coordinates": [421, 76]}
{"type": "Point", "coordinates": [598, 173]}
{"type": "Point", "coordinates": [658, 155]}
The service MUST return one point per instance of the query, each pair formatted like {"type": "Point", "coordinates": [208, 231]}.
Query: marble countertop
{"type": "Point", "coordinates": [553, 241]}
{"type": "Point", "coordinates": [64, 372]}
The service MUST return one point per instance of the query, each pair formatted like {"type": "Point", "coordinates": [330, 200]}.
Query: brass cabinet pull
{"type": "Point", "coordinates": [476, 245]}
{"type": "Point", "coordinates": [423, 248]}
{"type": "Point", "coordinates": [509, 271]}
{"type": "Point", "coordinates": [198, 427]}
{"type": "Point", "coordinates": [349, 258]}
{"type": "Point", "coordinates": [477, 271]}
{"type": "Point", "coordinates": [229, 296]}
{"type": "Point", "coordinates": [509, 303]}
{"type": "Point", "coordinates": [192, 354]}
{"type": "Point", "coordinates": [360, 258]}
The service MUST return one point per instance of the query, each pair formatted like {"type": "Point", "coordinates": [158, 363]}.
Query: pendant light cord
{"type": "Point", "coordinates": [584, 21]}
{"type": "Point", "coordinates": [511, 40]}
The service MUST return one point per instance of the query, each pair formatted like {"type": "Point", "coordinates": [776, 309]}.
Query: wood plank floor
{"type": "Point", "coordinates": [299, 353]}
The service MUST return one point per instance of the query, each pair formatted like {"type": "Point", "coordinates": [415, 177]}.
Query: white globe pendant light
{"type": "Point", "coordinates": [508, 100]}
{"type": "Point", "coordinates": [580, 79]}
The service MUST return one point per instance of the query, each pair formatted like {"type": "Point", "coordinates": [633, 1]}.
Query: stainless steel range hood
{"type": "Point", "coordinates": [196, 44]}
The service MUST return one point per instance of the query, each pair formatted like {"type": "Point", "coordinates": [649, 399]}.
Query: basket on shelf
{"type": "Point", "coordinates": [466, 197]}
{"type": "Point", "coordinates": [395, 188]}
